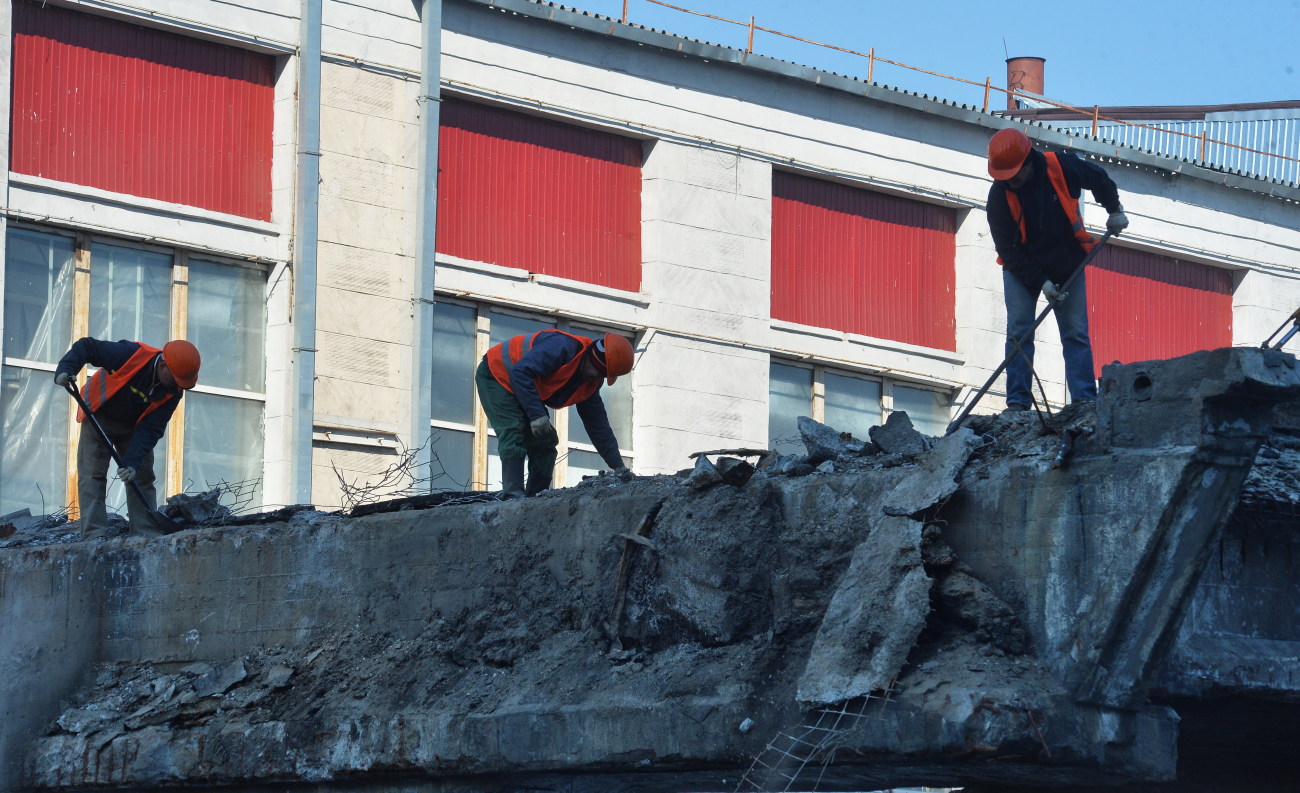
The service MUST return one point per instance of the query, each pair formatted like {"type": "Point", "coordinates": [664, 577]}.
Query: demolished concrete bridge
{"type": "Point", "coordinates": [1106, 599]}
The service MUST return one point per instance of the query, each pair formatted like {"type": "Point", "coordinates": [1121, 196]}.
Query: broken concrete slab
{"type": "Point", "coordinates": [936, 477]}
{"type": "Point", "coordinates": [898, 436]}
{"type": "Point", "coordinates": [200, 509]}
{"type": "Point", "coordinates": [827, 443]}
{"type": "Point", "coordinates": [704, 474]}
{"type": "Point", "coordinates": [463, 641]}
{"type": "Point", "coordinates": [874, 618]}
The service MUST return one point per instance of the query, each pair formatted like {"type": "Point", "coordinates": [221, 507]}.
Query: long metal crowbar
{"type": "Point", "coordinates": [1028, 335]}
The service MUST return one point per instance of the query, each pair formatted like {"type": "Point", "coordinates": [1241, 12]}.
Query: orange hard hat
{"type": "Point", "coordinates": [182, 359]}
{"type": "Point", "coordinates": [1008, 149]}
{"type": "Point", "coordinates": [616, 351]}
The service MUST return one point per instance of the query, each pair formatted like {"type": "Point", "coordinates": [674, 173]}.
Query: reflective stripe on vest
{"type": "Point", "coordinates": [1069, 204]}
{"type": "Point", "coordinates": [103, 384]}
{"type": "Point", "coordinates": [503, 357]}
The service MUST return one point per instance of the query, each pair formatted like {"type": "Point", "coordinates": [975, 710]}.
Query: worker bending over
{"type": "Point", "coordinates": [520, 378]}
{"type": "Point", "coordinates": [133, 395]}
{"type": "Point", "coordinates": [1033, 212]}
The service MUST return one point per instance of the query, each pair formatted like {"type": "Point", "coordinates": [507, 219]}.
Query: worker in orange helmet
{"type": "Point", "coordinates": [1033, 213]}
{"type": "Point", "coordinates": [520, 378]}
{"type": "Point", "coordinates": [133, 395]}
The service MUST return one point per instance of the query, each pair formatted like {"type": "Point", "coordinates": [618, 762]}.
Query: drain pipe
{"type": "Point", "coordinates": [426, 215]}
{"type": "Point", "coordinates": [306, 227]}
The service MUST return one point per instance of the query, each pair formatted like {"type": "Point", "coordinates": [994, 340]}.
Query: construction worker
{"type": "Point", "coordinates": [1034, 215]}
{"type": "Point", "coordinates": [520, 378]}
{"type": "Point", "coordinates": [133, 395]}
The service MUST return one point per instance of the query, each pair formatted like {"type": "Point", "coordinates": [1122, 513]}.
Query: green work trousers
{"type": "Point", "coordinates": [93, 458]}
{"type": "Point", "coordinates": [514, 437]}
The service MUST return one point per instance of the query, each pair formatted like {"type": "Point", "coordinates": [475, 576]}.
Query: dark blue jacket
{"type": "Point", "coordinates": [1051, 252]}
{"type": "Point", "coordinates": [126, 406]}
{"type": "Point", "coordinates": [551, 351]}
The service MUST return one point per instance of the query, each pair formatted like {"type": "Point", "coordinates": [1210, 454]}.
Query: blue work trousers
{"type": "Point", "coordinates": [1072, 322]}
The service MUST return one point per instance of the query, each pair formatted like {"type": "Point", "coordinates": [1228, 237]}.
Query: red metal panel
{"type": "Point", "coordinates": [863, 262]}
{"type": "Point", "coordinates": [139, 111]}
{"type": "Point", "coordinates": [552, 198]}
{"type": "Point", "coordinates": [1143, 307]}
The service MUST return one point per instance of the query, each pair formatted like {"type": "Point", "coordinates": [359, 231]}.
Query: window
{"type": "Point", "coordinates": [523, 191]}
{"type": "Point", "coordinates": [847, 402]}
{"type": "Point", "coordinates": [863, 262]}
{"type": "Point", "coordinates": [141, 111]}
{"type": "Point", "coordinates": [463, 444]}
{"type": "Point", "coordinates": [136, 293]}
{"type": "Point", "coordinates": [1146, 307]}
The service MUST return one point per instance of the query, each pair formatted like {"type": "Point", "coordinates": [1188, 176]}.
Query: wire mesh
{"type": "Point", "coordinates": [785, 760]}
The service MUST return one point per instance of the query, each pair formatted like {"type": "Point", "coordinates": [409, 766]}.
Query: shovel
{"type": "Point", "coordinates": [158, 524]}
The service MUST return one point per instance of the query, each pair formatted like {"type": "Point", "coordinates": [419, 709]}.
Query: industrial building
{"type": "Point", "coordinates": [344, 204]}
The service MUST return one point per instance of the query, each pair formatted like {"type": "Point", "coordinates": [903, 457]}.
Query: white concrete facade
{"type": "Point", "coordinates": [714, 129]}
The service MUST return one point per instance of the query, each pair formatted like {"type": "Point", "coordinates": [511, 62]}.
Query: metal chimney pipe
{"type": "Point", "coordinates": [1024, 74]}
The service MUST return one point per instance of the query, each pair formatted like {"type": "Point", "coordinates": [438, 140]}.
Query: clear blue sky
{"type": "Point", "coordinates": [1139, 52]}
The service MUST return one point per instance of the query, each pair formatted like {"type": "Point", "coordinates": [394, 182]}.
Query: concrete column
{"type": "Point", "coordinates": [707, 272]}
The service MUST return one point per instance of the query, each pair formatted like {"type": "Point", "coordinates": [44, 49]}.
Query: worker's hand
{"type": "Point", "coordinates": [1052, 293]}
{"type": "Point", "coordinates": [61, 379]}
{"type": "Point", "coordinates": [1116, 222]}
{"type": "Point", "coordinates": [624, 474]}
{"type": "Point", "coordinates": [543, 429]}
{"type": "Point", "coordinates": [126, 473]}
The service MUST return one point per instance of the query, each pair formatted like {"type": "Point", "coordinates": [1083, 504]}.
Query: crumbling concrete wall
{"type": "Point", "coordinates": [490, 646]}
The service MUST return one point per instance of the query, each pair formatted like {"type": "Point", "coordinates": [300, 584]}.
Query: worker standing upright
{"type": "Point", "coordinates": [1033, 213]}
{"type": "Point", "coordinates": [520, 378]}
{"type": "Point", "coordinates": [133, 395]}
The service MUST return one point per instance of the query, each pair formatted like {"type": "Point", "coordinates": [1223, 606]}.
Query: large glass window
{"type": "Point", "coordinates": [790, 390]}
{"type": "Point", "coordinates": [138, 294]}
{"type": "Point", "coordinates": [130, 294]}
{"type": "Point", "coordinates": [852, 403]}
{"type": "Point", "coordinates": [34, 420]}
{"type": "Point", "coordinates": [455, 356]}
{"type": "Point", "coordinates": [847, 402]}
{"type": "Point", "coordinates": [227, 322]}
{"type": "Point", "coordinates": [464, 444]}
{"type": "Point", "coordinates": [38, 295]}
{"type": "Point", "coordinates": [928, 410]}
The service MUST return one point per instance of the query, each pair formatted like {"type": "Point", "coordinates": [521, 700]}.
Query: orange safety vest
{"type": "Point", "coordinates": [1069, 204]}
{"type": "Point", "coordinates": [103, 384]}
{"type": "Point", "coordinates": [503, 357]}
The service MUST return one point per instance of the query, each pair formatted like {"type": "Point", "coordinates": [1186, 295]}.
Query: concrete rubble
{"type": "Point", "coordinates": [471, 641]}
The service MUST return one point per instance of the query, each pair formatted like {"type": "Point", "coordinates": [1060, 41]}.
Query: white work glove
{"type": "Point", "coordinates": [1117, 222]}
{"type": "Point", "coordinates": [61, 379]}
{"type": "Point", "coordinates": [543, 429]}
{"type": "Point", "coordinates": [126, 473]}
{"type": "Point", "coordinates": [1052, 293]}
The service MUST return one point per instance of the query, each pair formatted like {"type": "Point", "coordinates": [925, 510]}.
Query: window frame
{"type": "Point", "coordinates": [817, 410]}
{"type": "Point", "coordinates": [171, 480]}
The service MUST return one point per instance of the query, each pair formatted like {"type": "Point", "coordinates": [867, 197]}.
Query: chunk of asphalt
{"type": "Point", "coordinates": [898, 436]}
{"type": "Point", "coordinates": [935, 478]}
{"type": "Point", "coordinates": [824, 442]}
{"type": "Point", "coordinates": [874, 618]}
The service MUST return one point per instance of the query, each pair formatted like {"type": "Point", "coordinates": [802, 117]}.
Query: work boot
{"type": "Point", "coordinates": [1013, 407]}
{"type": "Point", "coordinates": [512, 478]}
{"type": "Point", "coordinates": [537, 484]}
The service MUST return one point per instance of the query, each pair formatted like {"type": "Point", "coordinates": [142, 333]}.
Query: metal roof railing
{"type": "Point", "coordinates": [1094, 114]}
